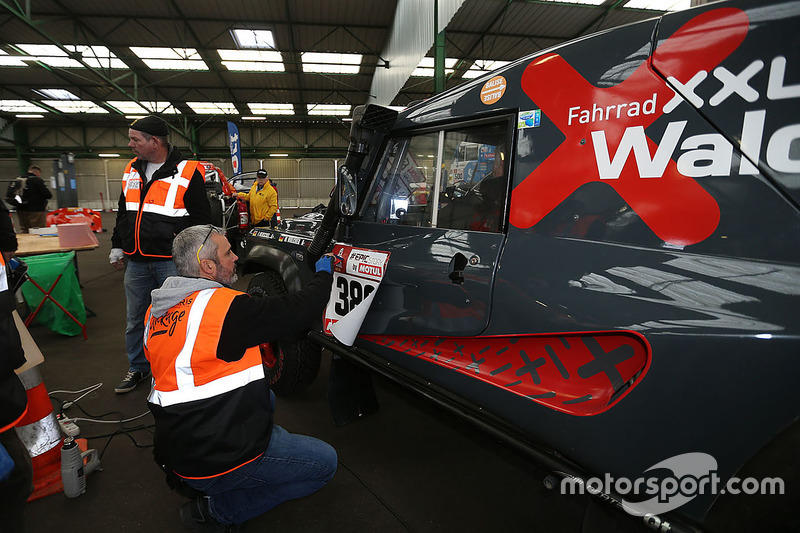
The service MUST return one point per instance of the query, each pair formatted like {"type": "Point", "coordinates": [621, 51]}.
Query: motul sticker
{"type": "Point", "coordinates": [493, 90]}
{"type": "Point", "coordinates": [355, 280]}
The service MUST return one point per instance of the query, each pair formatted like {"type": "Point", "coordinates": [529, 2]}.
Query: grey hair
{"type": "Point", "coordinates": [186, 245]}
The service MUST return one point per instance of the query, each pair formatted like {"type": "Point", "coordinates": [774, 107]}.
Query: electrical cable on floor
{"type": "Point", "coordinates": [85, 391]}
{"type": "Point", "coordinates": [375, 494]}
{"type": "Point", "coordinates": [97, 418]}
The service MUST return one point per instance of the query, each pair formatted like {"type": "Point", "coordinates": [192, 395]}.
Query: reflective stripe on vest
{"type": "Point", "coordinates": [181, 346]}
{"type": "Point", "coordinates": [164, 196]}
{"type": "Point", "coordinates": [3, 277]}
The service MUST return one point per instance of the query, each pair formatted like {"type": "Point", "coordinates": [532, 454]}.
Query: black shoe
{"type": "Point", "coordinates": [131, 380]}
{"type": "Point", "coordinates": [196, 516]}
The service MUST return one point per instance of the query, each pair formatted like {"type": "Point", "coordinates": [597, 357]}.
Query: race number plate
{"type": "Point", "coordinates": [355, 282]}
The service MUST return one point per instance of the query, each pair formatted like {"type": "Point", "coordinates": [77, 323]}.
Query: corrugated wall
{"type": "Point", "coordinates": [302, 183]}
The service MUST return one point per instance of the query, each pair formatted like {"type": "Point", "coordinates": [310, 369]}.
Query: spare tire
{"type": "Point", "coordinates": [292, 364]}
{"type": "Point", "coordinates": [217, 215]}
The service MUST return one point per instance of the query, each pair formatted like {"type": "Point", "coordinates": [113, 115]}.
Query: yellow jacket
{"type": "Point", "coordinates": [263, 203]}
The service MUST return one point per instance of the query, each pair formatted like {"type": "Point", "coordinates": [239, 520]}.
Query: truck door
{"type": "Point", "coordinates": [445, 234]}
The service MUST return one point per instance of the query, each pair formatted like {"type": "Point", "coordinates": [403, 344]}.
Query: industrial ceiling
{"type": "Point", "coordinates": [113, 58]}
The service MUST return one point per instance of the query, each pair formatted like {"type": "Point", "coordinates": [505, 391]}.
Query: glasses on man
{"type": "Point", "coordinates": [210, 230]}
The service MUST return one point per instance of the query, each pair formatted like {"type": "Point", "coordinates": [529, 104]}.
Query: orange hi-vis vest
{"type": "Point", "coordinates": [164, 198]}
{"type": "Point", "coordinates": [211, 416]}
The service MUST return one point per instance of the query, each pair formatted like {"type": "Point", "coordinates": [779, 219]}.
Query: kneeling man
{"type": "Point", "coordinates": [211, 401]}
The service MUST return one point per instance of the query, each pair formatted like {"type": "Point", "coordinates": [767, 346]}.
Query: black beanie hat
{"type": "Point", "coordinates": [261, 173]}
{"type": "Point", "coordinates": [151, 124]}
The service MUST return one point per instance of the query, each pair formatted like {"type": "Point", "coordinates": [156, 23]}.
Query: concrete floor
{"type": "Point", "coordinates": [409, 467]}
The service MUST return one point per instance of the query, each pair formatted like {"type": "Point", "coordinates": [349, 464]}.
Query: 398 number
{"type": "Point", "coordinates": [351, 293]}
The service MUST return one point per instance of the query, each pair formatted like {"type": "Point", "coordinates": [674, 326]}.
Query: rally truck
{"type": "Point", "coordinates": [618, 293]}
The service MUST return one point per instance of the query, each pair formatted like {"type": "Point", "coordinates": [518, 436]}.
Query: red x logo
{"type": "Point", "coordinates": [674, 206]}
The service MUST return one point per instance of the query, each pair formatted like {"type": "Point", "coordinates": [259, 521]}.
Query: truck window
{"type": "Point", "coordinates": [473, 190]}
{"type": "Point", "coordinates": [472, 185]}
{"type": "Point", "coordinates": [405, 179]}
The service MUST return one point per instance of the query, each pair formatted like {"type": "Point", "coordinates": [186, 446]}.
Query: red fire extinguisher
{"type": "Point", "coordinates": [244, 216]}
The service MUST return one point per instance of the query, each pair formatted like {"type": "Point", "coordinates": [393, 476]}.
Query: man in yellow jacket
{"type": "Point", "coordinates": [263, 199]}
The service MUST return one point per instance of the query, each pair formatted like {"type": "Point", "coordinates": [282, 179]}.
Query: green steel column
{"type": "Point", "coordinates": [21, 146]}
{"type": "Point", "coordinates": [195, 145]}
{"type": "Point", "coordinates": [438, 53]}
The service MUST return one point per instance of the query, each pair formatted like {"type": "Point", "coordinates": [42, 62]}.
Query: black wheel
{"type": "Point", "coordinates": [216, 210]}
{"type": "Point", "coordinates": [291, 364]}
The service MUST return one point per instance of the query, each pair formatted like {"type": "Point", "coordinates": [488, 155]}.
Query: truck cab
{"type": "Point", "coordinates": [618, 282]}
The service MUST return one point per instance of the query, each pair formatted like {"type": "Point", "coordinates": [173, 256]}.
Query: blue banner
{"type": "Point", "coordinates": [236, 150]}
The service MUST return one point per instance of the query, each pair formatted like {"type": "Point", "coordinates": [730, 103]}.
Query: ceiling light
{"type": "Point", "coordinates": [11, 61]}
{"type": "Point", "coordinates": [158, 58]}
{"type": "Point", "coordinates": [74, 106]}
{"type": "Point", "coordinates": [659, 5]}
{"type": "Point", "coordinates": [426, 67]}
{"type": "Point", "coordinates": [213, 108]}
{"type": "Point", "coordinates": [19, 106]}
{"type": "Point", "coordinates": [252, 60]}
{"type": "Point", "coordinates": [254, 118]}
{"type": "Point", "coordinates": [129, 107]}
{"type": "Point", "coordinates": [107, 155]}
{"type": "Point", "coordinates": [253, 66]}
{"type": "Point", "coordinates": [246, 38]}
{"type": "Point", "coordinates": [328, 109]}
{"type": "Point", "coordinates": [54, 56]}
{"type": "Point", "coordinates": [57, 94]}
{"type": "Point", "coordinates": [483, 66]}
{"type": "Point", "coordinates": [126, 106]}
{"type": "Point", "coordinates": [279, 155]}
{"type": "Point", "coordinates": [331, 63]}
{"type": "Point", "coordinates": [29, 116]}
{"type": "Point", "coordinates": [264, 108]}
{"type": "Point", "coordinates": [584, 2]}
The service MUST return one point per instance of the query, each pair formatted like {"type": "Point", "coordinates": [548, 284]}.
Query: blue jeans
{"type": "Point", "coordinates": [141, 277]}
{"type": "Point", "coordinates": [293, 466]}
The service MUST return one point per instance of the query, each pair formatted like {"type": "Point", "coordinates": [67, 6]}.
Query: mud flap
{"type": "Point", "coordinates": [351, 394]}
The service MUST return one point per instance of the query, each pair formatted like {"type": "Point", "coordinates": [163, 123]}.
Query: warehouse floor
{"type": "Point", "coordinates": [409, 467]}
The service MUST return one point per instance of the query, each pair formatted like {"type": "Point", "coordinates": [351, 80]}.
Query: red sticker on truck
{"type": "Point", "coordinates": [606, 139]}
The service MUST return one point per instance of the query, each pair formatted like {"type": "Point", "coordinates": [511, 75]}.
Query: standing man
{"type": "Point", "coordinates": [16, 469]}
{"type": "Point", "coordinates": [162, 193]}
{"type": "Point", "coordinates": [211, 401]}
{"type": "Point", "coordinates": [30, 199]}
{"type": "Point", "coordinates": [263, 200]}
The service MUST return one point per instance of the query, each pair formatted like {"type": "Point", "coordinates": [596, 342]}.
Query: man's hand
{"type": "Point", "coordinates": [325, 263]}
{"type": "Point", "coordinates": [7, 256]}
{"type": "Point", "coordinates": [116, 258]}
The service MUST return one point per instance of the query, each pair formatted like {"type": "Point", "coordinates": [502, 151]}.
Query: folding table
{"type": "Point", "coordinates": [41, 247]}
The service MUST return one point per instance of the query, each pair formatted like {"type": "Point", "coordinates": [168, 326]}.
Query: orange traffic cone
{"type": "Point", "coordinates": [41, 434]}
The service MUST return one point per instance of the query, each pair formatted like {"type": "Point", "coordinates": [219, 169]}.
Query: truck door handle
{"type": "Point", "coordinates": [456, 269]}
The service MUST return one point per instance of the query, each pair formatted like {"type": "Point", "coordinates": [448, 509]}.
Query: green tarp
{"type": "Point", "coordinates": [44, 269]}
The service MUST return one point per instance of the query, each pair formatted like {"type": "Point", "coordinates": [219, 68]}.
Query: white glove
{"type": "Point", "coordinates": [116, 255]}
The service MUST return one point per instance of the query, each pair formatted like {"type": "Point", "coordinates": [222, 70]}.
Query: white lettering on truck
{"type": "Point", "coordinates": [703, 155]}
